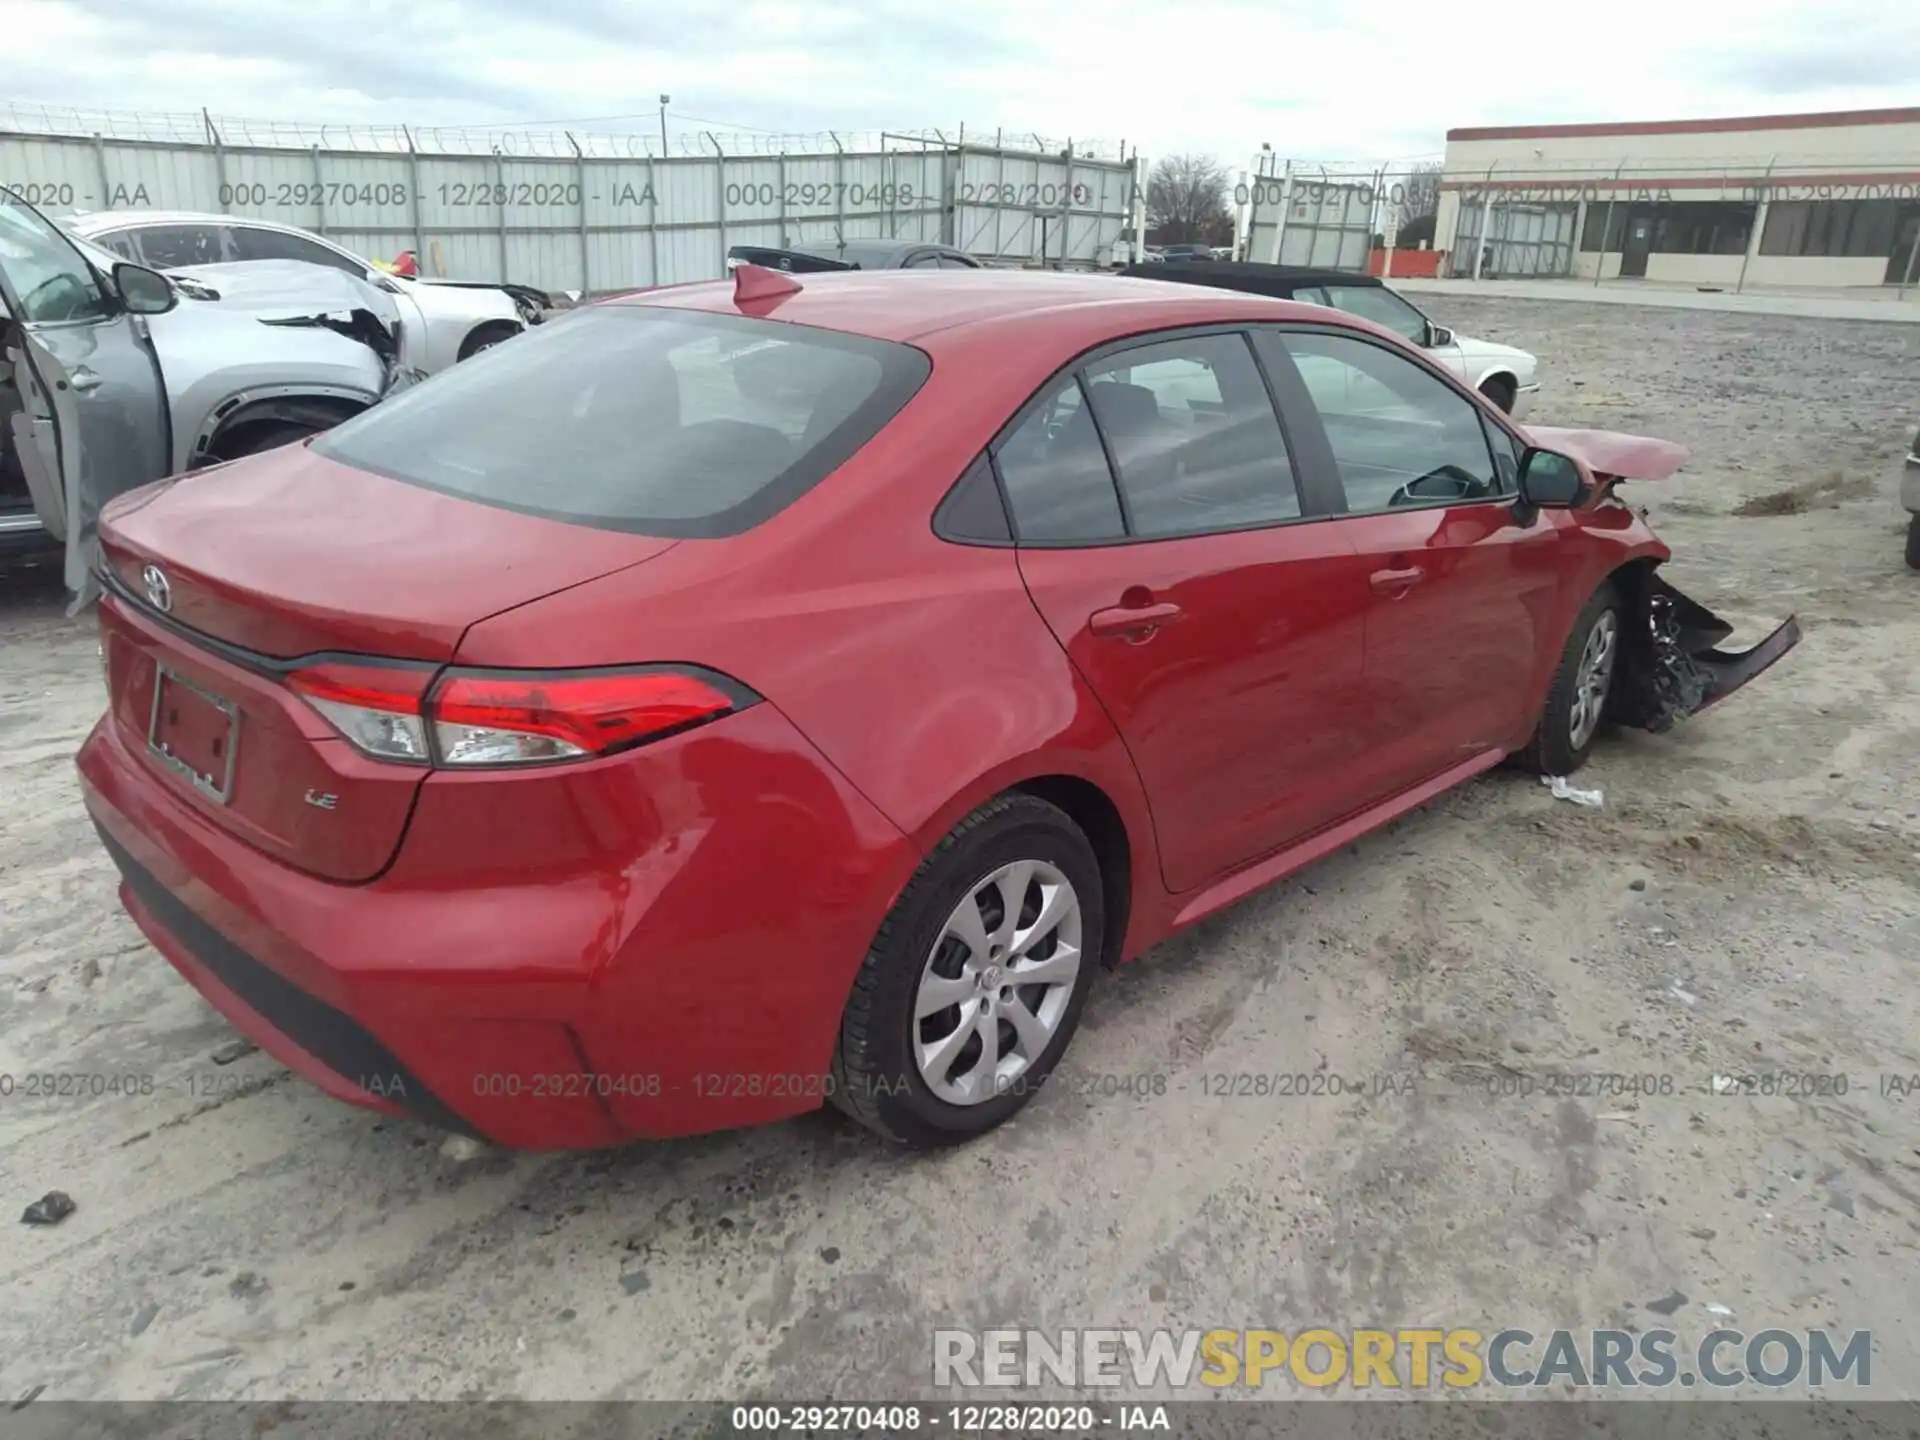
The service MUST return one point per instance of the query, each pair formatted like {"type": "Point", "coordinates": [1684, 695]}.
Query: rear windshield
{"type": "Point", "coordinates": [627, 417]}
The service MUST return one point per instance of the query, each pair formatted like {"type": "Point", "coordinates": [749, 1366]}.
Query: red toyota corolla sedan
{"type": "Point", "coordinates": [748, 695]}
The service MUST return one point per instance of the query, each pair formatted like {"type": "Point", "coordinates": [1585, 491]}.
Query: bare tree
{"type": "Point", "coordinates": [1419, 204]}
{"type": "Point", "coordinates": [1187, 199]}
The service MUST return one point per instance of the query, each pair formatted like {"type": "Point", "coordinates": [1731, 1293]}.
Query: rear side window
{"type": "Point", "coordinates": [1193, 436]}
{"type": "Point", "coordinates": [250, 243]}
{"type": "Point", "coordinates": [629, 417]}
{"type": "Point", "coordinates": [1056, 474]}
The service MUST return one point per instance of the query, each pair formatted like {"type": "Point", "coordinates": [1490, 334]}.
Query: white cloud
{"type": "Point", "coordinates": [1357, 81]}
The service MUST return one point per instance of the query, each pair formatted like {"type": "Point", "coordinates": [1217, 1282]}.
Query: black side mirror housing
{"type": "Point", "coordinates": [1550, 480]}
{"type": "Point", "coordinates": [143, 291]}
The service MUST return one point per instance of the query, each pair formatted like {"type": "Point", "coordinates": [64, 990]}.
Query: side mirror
{"type": "Point", "coordinates": [1438, 335]}
{"type": "Point", "coordinates": [143, 291]}
{"type": "Point", "coordinates": [1549, 480]}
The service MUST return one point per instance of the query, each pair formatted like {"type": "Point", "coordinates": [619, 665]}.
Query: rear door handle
{"type": "Point", "coordinates": [1397, 582]}
{"type": "Point", "coordinates": [1133, 622]}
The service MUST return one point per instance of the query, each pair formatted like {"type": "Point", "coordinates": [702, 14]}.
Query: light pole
{"type": "Point", "coordinates": [665, 100]}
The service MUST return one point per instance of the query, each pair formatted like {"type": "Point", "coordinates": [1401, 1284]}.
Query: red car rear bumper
{"type": "Point", "coordinates": [656, 944]}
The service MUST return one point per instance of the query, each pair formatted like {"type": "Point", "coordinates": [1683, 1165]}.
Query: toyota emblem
{"type": "Point", "coordinates": [159, 592]}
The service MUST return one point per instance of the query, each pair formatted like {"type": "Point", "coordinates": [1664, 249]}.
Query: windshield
{"type": "Point", "coordinates": [634, 418]}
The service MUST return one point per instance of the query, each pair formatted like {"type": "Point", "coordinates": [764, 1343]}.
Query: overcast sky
{"type": "Point", "coordinates": [1338, 79]}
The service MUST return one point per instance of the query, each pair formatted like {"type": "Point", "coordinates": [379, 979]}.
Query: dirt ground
{"type": "Point", "coordinates": [1743, 903]}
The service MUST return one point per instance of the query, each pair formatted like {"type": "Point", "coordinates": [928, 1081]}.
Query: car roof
{"type": "Point", "coordinates": [875, 249]}
{"type": "Point", "coordinates": [97, 220]}
{"type": "Point", "coordinates": [942, 306]}
{"type": "Point", "coordinates": [1257, 275]}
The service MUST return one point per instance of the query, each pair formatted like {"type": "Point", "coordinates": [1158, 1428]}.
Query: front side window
{"type": "Point", "coordinates": [1193, 436]}
{"type": "Point", "coordinates": [165, 247]}
{"type": "Point", "coordinates": [1400, 435]}
{"type": "Point", "coordinates": [640, 418]}
{"type": "Point", "coordinates": [121, 243]}
{"type": "Point", "coordinates": [1380, 305]}
{"type": "Point", "coordinates": [46, 280]}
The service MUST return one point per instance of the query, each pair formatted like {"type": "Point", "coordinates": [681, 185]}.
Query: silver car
{"type": "Point", "coordinates": [115, 375]}
{"type": "Point", "coordinates": [442, 321]}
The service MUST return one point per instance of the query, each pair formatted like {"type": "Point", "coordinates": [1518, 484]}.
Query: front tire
{"type": "Point", "coordinates": [974, 985]}
{"type": "Point", "coordinates": [1581, 687]}
{"type": "Point", "coordinates": [1500, 392]}
{"type": "Point", "coordinates": [1913, 542]}
{"type": "Point", "coordinates": [485, 337]}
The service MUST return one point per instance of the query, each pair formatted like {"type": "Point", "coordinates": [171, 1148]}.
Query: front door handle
{"type": "Point", "coordinates": [1135, 623]}
{"type": "Point", "coordinates": [1397, 582]}
{"type": "Point", "coordinates": [85, 380]}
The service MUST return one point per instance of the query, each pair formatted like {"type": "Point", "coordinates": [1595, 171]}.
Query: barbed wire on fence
{"type": "Point", "coordinates": [205, 128]}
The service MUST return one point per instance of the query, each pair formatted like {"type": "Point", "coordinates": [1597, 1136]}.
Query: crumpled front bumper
{"type": "Point", "coordinates": [1672, 665]}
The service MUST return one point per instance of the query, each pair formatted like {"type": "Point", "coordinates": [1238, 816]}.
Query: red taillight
{"type": "Point", "coordinates": [511, 717]}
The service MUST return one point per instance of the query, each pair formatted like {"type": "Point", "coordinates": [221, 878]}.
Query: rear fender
{"type": "Point", "coordinates": [1672, 665]}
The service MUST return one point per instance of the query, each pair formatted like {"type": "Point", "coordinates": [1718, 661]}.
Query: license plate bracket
{"type": "Point", "coordinates": [194, 733]}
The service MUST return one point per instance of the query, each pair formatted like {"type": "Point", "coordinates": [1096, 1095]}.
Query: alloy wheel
{"type": "Point", "coordinates": [997, 982]}
{"type": "Point", "coordinates": [1593, 678]}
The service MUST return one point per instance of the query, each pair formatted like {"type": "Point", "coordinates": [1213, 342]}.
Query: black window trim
{"type": "Point", "coordinates": [1076, 368]}
{"type": "Point", "coordinates": [1480, 404]}
{"type": "Point", "coordinates": [1322, 496]}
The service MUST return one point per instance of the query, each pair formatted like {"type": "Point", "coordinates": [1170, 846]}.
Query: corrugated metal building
{"type": "Point", "coordinates": [1806, 200]}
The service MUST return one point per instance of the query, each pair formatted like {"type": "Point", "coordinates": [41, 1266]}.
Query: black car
{"type": "Point", "coordinates": [1910, 501]}
{"type": "Point", "coordinates": [855, 255]}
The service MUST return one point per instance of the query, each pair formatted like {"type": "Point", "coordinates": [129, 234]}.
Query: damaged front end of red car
{"type": "Point", "coordinates": [1672, 665]}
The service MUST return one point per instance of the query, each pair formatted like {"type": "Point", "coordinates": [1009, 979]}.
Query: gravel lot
{"type": "Point", "coordinates": [1745, 902]}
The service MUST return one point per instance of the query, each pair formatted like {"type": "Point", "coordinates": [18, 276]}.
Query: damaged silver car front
{"type": "Point", "coordinates": [117, 376]}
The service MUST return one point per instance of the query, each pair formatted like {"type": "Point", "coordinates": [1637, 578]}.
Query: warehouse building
{"type": "Point", "coordinates": [1801, 200]}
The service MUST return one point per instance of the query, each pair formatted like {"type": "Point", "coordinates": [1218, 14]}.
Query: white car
{"type": "Point", "coordinates": [1505, 374]}
{"type": "Point", "coordinates": [442, 321]}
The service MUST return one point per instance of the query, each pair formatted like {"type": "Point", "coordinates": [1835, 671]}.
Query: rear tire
{"type": "Point", "coordinates": [1582, 685]}
{"type": "Point", "coordinates": [1913, 542]}
{"type": "Point", "coordinates": [896, 1047]}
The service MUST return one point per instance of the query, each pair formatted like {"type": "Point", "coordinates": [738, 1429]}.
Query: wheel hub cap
{"type": "Point", "coordinates": [997, 982]}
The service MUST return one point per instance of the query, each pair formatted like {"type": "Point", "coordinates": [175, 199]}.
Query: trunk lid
{"type": "Point", "coordinates": [290, 553]}
{"type": "Point", "coordinates": [221, 579]}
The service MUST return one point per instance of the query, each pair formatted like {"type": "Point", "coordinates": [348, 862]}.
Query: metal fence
{"type": "Point", "coordinates": [1298, 213]}
{"type": "Point", "coordinates": [590, 212]}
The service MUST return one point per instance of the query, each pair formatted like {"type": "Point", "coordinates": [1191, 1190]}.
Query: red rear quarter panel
{"type": "Point", "coordinates": [918, 667]}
